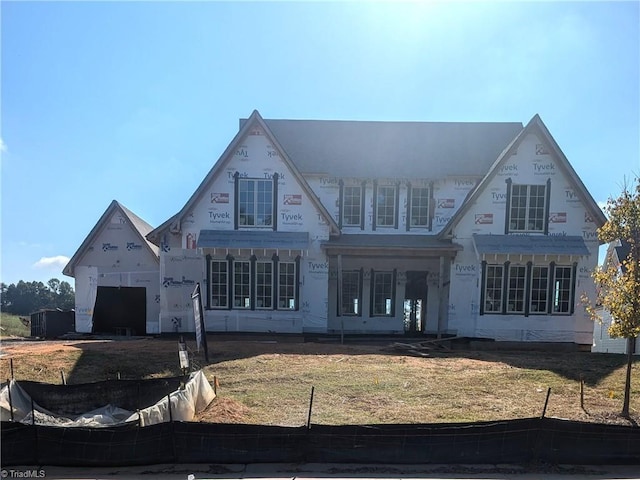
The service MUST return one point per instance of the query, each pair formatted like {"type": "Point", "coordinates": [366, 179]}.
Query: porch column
{"type": "Point", "coordinates": [339, 298]}
{"type": "Point", "coordinates": [441, 298]}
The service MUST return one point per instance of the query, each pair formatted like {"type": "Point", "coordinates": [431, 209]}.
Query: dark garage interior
{"type": "Point", "coordinates": [120, 311]}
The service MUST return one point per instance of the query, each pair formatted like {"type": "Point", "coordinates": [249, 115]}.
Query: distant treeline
{"type": "Point", "coordinates": [23, 298]}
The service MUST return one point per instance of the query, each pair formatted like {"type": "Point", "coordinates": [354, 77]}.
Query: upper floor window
{"type": "Point", "coordinates": [527, 208]}
{"type": "Point", "coordinates": [386, 206]}
{"type": "Point", "coordinates": [419, 211]}
{"type": "Point", "coordinates": [255, 202]}
{"type": "Point", "coordinates": [352, 206]}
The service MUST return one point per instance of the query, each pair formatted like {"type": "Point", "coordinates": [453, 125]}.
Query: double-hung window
{"type": "Point", "coordinates": [527, 208]}
{"type": "Point", "coordinates": [264, 285]}
{"type": "Point", "coordinates": [493, 289]}
{"type": "Point", "coordinates": [219, 284]}
{"type": "Point", "coordinates": [253, 284]}
{"type": "Point", "coordinates": [286, 286]}
{"type": "Point", "coordinates": [528, 290]}
{"type": "Point", "coordinates": [351, 294]}
{"type": "Point", "coordinates": [539, 290]}
{"type": "Point", "coordinates": [386, 206]}
{"type": "Point", "coordinates": [241, 284]}
{"type": "Point", "coordinates": [516, 289]}
{"type": "Point", "coordinates": [562, 288]}
{"type": "Point", "coordinates": [351, 206]}
{"type": "Point", "coordinates": [383, 293]}
{"type": "Point", "coordinates": [419, 211]}
{"type": "Point", "coordinates": [255, 202]}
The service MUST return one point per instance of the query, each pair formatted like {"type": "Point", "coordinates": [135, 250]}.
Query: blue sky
{"type": "Point", "coordinates": [135, 101]}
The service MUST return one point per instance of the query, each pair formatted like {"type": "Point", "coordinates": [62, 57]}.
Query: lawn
{"type": "Point", "coordinates": [266, 382]}
{"type": "Point", "coordinates": [12, 326]}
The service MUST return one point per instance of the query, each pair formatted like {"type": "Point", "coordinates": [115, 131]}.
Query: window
{"type": "Point", "coordinates": [351, 206]}
{"type": "Point", "coordinates": [255, 202]}
{"type": "Point", "coordinates": [515, 295]}
{"type": "Point", "coordinates": [241, 284]}
{"type": "Point", "coordinates": [562, 283]}
{"type": "Point", "coordinates": [532, 289]}
{"type": "Point", "coordinates": [219, 281]}
{"type": "Point", "coordinates": [493, 289]}
{"type": "Point", "coordinates": [386, 206]}
{"type": "Point", "coordinates": [382, 294]}
{"type": "Point", "coordinates": [264, 285]}
{"type": "Point", "coordinates": [539, 289]}
{"type": "Point", "coordinates": [419, 213]}
{"type": "Point", "coordinates": [253, 284]}
{"type": "Point", "coordinates": [351, 293]}
{"type": "Point", "coordinates": [527, 208]}
{"type": "Point", "coordinates": [286, 286]}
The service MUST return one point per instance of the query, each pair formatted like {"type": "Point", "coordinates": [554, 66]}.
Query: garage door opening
{"type": "Point", "coordinates": [120, 311]}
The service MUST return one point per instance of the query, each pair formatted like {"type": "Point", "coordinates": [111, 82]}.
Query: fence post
{"type": "Point", "coordinates": [11, 367]}
{"type": "Point", "coordinates": [546, 402]}
{"type": "Point", "coordinates": [310, 407]}
{"type": "Point", "coordinates": [581, 392]}
{"type": "Point", "coordinates": [10, 399]}
{"type": "Point", "coordinates": [64, 380]}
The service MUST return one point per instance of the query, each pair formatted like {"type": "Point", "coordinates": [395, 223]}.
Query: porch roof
{"type": "Point", "coordinates": [530, 245]}
{"type": "Point", "coordinates": [385, 244]}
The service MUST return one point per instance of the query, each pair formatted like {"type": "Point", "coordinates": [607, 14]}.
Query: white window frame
{"type": "Point", "coordinates": [386, 211]}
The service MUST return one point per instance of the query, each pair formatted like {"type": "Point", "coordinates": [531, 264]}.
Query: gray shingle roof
{"type": "Point", "coordinates": [393, 149]}
{"type": "Point", "coordinates": [530, 244]}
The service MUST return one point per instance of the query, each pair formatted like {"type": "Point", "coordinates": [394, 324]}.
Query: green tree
{"type": "Point", "coordinates": [618, 286]}
{"type": "Point", "coordinates": [24, 298]}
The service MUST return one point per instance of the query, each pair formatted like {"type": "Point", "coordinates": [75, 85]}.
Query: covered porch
{"type": "Point", "coordinates": [388, 284]}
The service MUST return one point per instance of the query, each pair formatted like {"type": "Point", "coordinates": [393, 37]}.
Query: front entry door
{"type": "Point", "coordinates": [415, 301]}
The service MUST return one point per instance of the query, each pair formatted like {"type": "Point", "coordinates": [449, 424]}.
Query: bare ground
{"type": "Point", "coordinates": [268, 382]}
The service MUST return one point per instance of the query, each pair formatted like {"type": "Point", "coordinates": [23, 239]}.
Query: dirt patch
{"type": "Point", "coordinates": [269, 382]}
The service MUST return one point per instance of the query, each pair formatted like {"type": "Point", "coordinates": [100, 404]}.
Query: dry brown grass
{"type": "Point", "coordinates": [270, 383]}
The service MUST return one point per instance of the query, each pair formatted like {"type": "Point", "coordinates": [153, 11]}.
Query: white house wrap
{"type": "Point", "coordinates": [301, 226]}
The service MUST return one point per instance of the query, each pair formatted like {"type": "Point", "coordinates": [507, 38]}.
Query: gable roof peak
{"type": "Point", "coordinates": [139, 226]}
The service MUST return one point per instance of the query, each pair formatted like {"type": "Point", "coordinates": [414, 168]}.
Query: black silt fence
{"type": "Point", "coordinates": [514, 441]}
{"type": "Point", "coordinates": [80, 398]}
